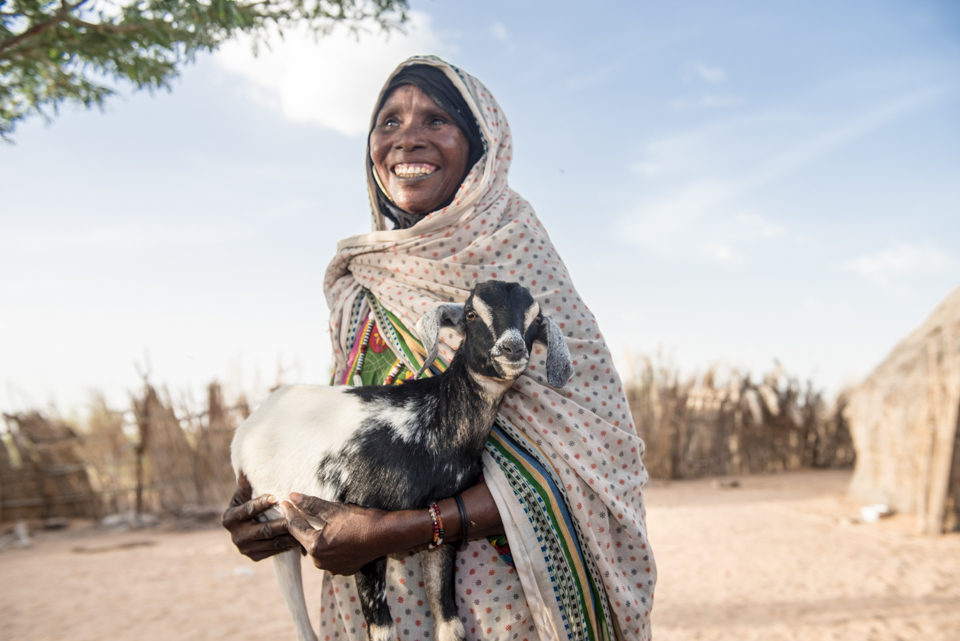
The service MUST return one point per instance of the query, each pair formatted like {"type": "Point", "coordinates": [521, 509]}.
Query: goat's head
{"type": "Point", "coordinates": [499, 323]}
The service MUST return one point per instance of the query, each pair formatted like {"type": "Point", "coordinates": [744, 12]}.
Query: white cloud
{"type": "Point", "coordinates": [724, 253]}
{"type": "Point", "coordinates": [116, 237]}
{"type": "Point", "coordinates": [668, 156]}
{"type": "Point", "coordinates": [687, 206]}
{"type": "Point", "coordinates": [332, 81]}
{"type": "Point", "coordinates": [499, 31]}
{"type": "Point", "coordinates": [706, 101]}
{"type": "Point", "coordinates": [760, 225]}
{"type": "Point", "coordinates": [710, 74]}
{"type": "Point", "coordinates": [820, 145]}
{"type": "Point", "coordinates": [903, 259]}
{"type": "Point", "coordinates": [701, 203]}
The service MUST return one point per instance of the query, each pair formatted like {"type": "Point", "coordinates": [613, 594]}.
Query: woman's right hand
{"type": "Point", "coordinates": [255, 539]}
{"type": "Point", "coordinates": [351, 536]}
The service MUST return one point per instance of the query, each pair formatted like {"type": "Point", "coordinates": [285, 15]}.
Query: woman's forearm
{"type": "Point", "coordinates": [408, 529]}
{"type": "Point", "coordinates": [353, 536]}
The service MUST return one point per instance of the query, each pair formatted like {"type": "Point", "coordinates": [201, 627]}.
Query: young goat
{"type": "Point", "coordinates": [399, 447]}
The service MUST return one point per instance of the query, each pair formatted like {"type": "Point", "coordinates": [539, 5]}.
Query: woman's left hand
{"type": "Point", "coordinates": [351, 537]}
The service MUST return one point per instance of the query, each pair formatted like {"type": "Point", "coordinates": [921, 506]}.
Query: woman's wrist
{"type": "Point", "coordinates": [408, 529]}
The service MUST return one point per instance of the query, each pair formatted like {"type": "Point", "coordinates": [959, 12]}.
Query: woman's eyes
{"type": "Point", "coordinates": [434, 121]}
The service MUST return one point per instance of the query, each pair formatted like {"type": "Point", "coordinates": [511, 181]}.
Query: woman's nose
{"type": "Point", "coordinates": [409, 137]}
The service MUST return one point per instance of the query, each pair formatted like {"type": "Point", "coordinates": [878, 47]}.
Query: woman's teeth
{"type": "Point", "coordinates": [412, 170]}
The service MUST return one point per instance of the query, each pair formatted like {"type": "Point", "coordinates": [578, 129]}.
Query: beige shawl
{"type": "Point", "coordinates": [584, 431]}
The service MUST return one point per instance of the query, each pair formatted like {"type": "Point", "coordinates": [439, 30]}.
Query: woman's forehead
{"type": "Point", "coordinates": [409, 95]}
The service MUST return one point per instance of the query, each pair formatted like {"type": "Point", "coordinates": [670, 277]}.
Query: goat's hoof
{"type": "Point", "coordinates": [451, 630]}
{"type": "Point", "coordinates": [381, 632]}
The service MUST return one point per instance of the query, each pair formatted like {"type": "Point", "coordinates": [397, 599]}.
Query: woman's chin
{"type": "Point", "coordinates": [418, 197]}
{"type": "Point", "coordinates": [416, 206]}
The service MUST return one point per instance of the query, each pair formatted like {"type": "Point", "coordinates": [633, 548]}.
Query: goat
{"type": "Point", "coordinates": [399, 447]}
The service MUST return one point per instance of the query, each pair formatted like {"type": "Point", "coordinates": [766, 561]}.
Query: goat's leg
{"type": "Point", "coordinates": [372, 588]}
{"type": "Point", "coordinates": [438, 569]}
{"type": "Point", "coordinates": [286, 565]}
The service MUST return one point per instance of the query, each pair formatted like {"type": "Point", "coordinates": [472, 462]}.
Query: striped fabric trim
{"type": "Point", "coordinates": [354, 357]}
{"type": "Point", "coordinates": [532, 449]}
{"type": "Point", "coordinates": [545, 505]}
{"type": "Point", "coordinates": [355, 312]}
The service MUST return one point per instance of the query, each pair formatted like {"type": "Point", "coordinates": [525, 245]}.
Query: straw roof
{"type": "Point", "coordinates": [903, 419]}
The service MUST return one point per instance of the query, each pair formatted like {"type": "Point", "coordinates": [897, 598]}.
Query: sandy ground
{"type": "Point", "coordinates": [775, 558]}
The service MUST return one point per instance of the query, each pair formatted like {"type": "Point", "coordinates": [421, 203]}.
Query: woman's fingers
{"type": "Point", "coordinates": [268, 547]}
{"type": "Point", "coordinates": [253, 538]}
{"type": "Point", "coordinates": [258, 550]}
{"type": "Point", "coordinates": [349, 539]}
{"type": "Point", "coordinates": [303, 532]}
{"type": "Point", "coordinates": [247, 510]}
{"type": "Point", "coordinates": [312, 505]}
{"type": "Point", "coordinates": [261, 539]}
{"type": "Point", "coordinates": [250, 531]}
{"type": "Point", "coordinates": [297, 525]}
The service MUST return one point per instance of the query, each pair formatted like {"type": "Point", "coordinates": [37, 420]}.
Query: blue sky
{"type": "Point", "coordinates": [728, 182]}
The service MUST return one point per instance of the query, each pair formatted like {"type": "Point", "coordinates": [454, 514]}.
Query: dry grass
{"type": "Point", "coordinates": [165, 457]}
{"type": "Point", "coordinates": [155, 457]}
{"type": "Point", "coordinates": [705, 426]}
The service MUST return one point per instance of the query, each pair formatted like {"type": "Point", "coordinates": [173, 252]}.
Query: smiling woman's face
{"type": "Point", "coordinates": [418, 151]}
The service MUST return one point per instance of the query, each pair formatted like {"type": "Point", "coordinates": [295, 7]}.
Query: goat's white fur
{"type": "Point", "coordinates": [316, 420]}
{"type": "Point", "coordinates": [484, 312]}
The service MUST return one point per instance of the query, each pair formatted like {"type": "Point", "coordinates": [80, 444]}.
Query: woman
{"type": "Point", "coordinates": [562, 475]}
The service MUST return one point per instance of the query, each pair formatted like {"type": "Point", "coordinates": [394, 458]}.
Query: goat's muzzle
{"type": "Point", "coordinates": [510, 354]}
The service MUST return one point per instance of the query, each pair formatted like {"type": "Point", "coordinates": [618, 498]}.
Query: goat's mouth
{"type": "Point", "coordinates": [510, 368]}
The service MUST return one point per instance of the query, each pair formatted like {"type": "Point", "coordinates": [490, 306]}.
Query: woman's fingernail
{"type": "Point", "coordinates": [295, 497]}
{"type": "Point", "coordinates": [272, 499]}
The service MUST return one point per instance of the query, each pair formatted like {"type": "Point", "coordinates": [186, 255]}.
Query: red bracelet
{"type": "Point", "coordinates": [437, 526]}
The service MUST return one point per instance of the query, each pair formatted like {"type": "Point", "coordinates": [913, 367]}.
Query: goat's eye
{"type": "Point", "coordinates": [471, 315]}
{"type": "Point", "coordinates": [538, 321]}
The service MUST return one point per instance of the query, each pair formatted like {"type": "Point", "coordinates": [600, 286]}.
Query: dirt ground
{"type": "Point", "coordinates": [777, 557]}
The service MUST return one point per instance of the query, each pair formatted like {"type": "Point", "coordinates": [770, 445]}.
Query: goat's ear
{"type": "Point", "coordinates": [559, 362]}
{"type": "Point", "coordinates": [428, 329]}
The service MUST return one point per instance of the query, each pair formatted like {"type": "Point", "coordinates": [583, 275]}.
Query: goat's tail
{"type": "Point", "coordinates": [287, 568]}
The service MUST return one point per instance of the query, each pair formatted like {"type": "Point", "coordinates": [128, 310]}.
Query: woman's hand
{"type": "Point", "coordinates": [255, 539]}
{"type": "Point", "coordinates": [351, 536]}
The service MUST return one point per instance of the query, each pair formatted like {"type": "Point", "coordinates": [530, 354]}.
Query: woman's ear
{"type": "Point", "coordinates": [428, 329]}
{"type": "Point", "coordinates": [559, 362]}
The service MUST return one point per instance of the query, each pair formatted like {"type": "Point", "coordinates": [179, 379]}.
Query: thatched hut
{"type": "Point", "coordinates": [42, 474]}
{"type": "Point", "coordinates": [904, 422]}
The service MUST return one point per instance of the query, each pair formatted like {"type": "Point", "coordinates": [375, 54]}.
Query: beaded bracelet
{"type": "Point", "coordinates": [437, 527]}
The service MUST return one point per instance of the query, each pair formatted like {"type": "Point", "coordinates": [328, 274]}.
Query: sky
{"type": "Point", "coordinates": [729, 183]}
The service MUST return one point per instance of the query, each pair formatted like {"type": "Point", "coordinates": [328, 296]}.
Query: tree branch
{"type": "Point", "coordinates": [105, 27]}
{"type": "Point", "coordinates": [60, 16]}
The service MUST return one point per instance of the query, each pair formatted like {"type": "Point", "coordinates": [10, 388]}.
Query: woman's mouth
{"type": "Point", "coordinates": [414, 169]}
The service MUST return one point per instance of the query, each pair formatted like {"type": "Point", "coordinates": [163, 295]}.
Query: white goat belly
{"type": "Point", "coordinates": [281, 444]}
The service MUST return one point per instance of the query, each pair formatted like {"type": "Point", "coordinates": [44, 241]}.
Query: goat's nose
{"type": "Point", "coordinates": [513, 349]}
